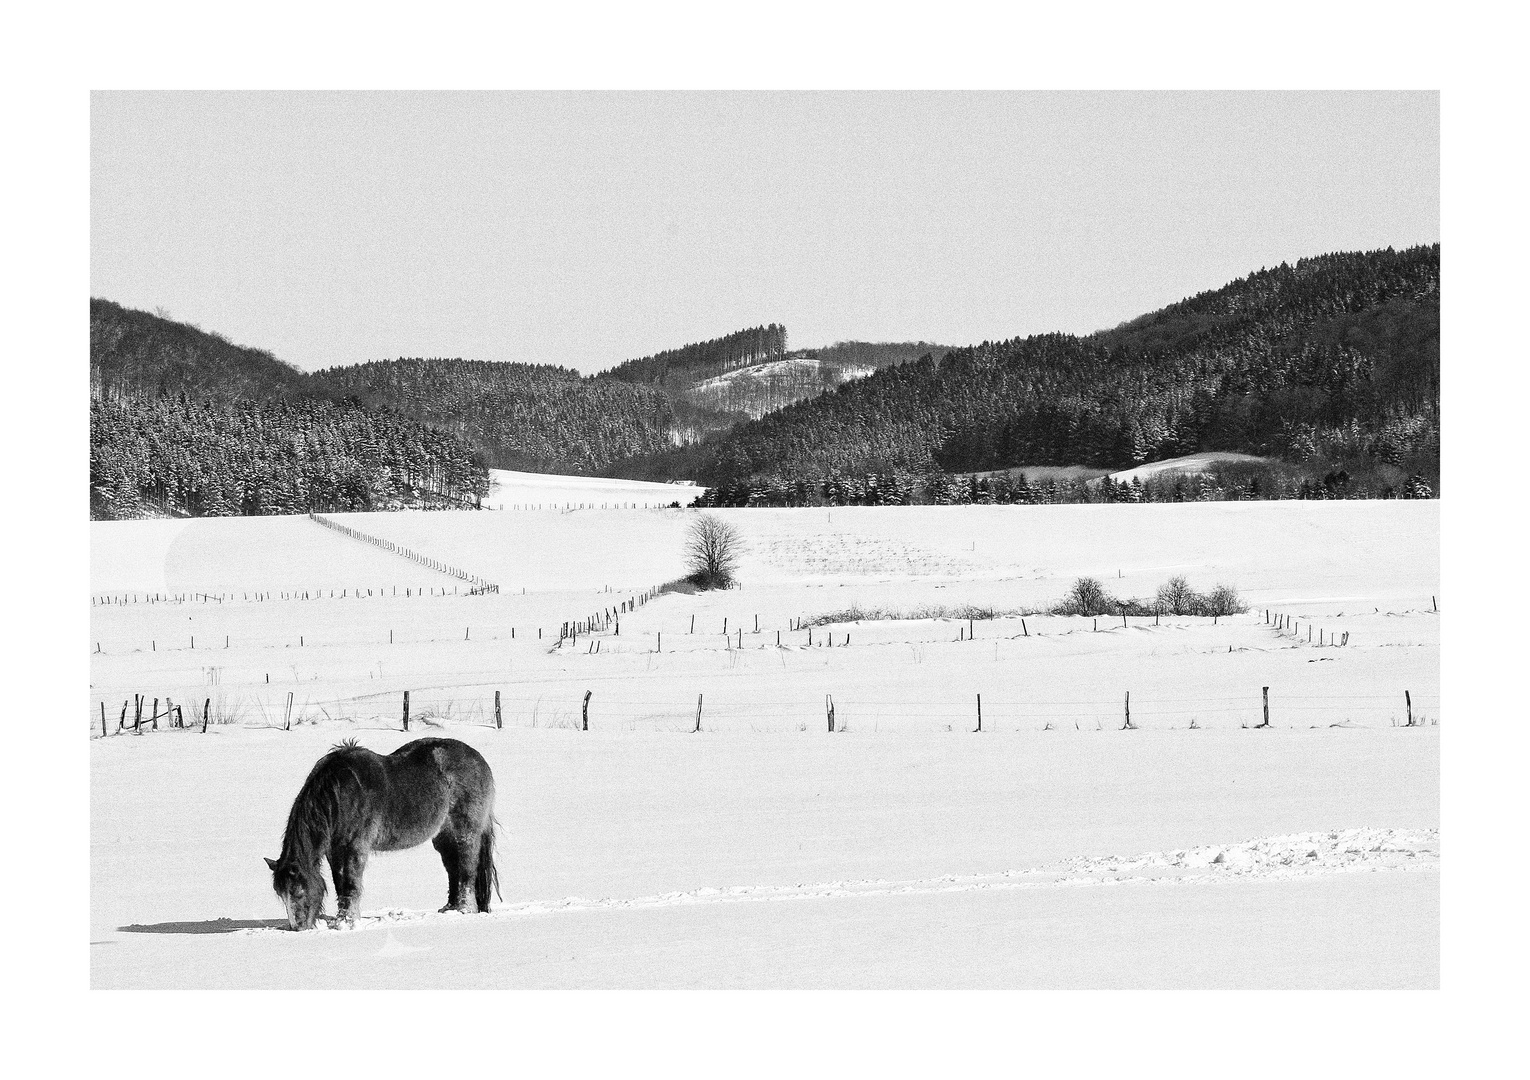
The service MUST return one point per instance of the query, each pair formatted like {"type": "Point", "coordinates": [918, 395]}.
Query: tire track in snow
{"type": "Point", "coordinates": [1298, 855]}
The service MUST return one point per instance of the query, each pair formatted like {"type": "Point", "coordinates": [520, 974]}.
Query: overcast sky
{"type": "Point", "coordinates": [586, 229]}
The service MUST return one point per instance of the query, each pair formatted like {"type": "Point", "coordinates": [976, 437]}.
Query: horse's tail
{"type": "Point", "coordinates": [488, 874]}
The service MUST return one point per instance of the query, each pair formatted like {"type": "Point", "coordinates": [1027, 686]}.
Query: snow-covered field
{"type": "Point", "coordinates": [1053, 849]}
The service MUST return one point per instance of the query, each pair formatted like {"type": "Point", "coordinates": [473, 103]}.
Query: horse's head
{"type": "Point", "coordinates": [301, 890]}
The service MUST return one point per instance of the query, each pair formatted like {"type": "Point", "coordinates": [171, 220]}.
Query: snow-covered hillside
{"type": "Point", "coordinates": [761, 388]}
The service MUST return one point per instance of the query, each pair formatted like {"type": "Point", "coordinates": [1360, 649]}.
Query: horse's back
{"type": "Point", "coordinates": [433, 782]}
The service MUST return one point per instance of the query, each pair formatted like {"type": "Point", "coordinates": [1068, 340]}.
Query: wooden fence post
{"type": "Point", "coordinates": [1408, 697]}
{"type": "Point", "coordinates": [498, 721]}
{"type": "Point", "coordinates": [1128, 725]}
{"type": "Point", "coordinates": [206, 708]}
{"type": "Point", "coordinates": [586, 724]}
{"type": "Point", "coordinates": [698, 709]}
{"type": "Point", "coordinates": [1266, 707]}
{"type": "Point", "coordinates": [980, 712]}
{"type": "Point", "coordinates": [828, 704]}
{"type": "Point", "coordinates": [103, 719]}
{"type": "Point", "coordinates": [287, 724]}
{"type": "Point", "coordinates": [406, 710]}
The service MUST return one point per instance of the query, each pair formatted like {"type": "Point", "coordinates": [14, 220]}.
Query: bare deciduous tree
{"type": "Point", "coordinates": [713, 547]}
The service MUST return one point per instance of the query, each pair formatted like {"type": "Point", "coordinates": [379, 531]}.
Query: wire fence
{"type": "Point", "coordinates": [565, 705]}
{"type": "Point", "coordinates": [479, 584]}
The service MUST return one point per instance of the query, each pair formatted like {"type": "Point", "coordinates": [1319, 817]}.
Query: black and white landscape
{"type": "Point", "coordinates": [1102, 653]}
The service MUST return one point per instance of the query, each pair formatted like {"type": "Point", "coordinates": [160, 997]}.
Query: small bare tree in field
{"type": "Point", "coordinates": [1176, 597]}
{"type": "Point", "coordinates": [713, 548]}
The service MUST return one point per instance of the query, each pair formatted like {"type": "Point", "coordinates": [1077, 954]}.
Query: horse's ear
{"type": "Point", "coordinates": [272, 864]}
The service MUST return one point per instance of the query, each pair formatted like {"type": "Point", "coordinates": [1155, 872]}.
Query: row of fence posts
{"type": "Point", "coordinates": [479, 584]}
{"type": "Point", "coordinates": [1282, 623]}
{"type": "Point", "coordinates": [1127, 724]}
{"type": "Point", "coordinates": [609, 618]}
{"type": "Point", "coordinates": [174, 711]}
{"type": "Point", "coordinates": [173, 715]}
{"type": "Point", "coordinates": [295, 594]}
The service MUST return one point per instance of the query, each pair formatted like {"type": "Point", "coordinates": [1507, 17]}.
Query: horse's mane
{"type": "Point", "coordinates": [314, 816]}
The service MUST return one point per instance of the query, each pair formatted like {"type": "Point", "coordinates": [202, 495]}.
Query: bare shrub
{"type": "Point", "coordinates": [1223, 600]}
{"type": "Point", "coordinates": [1087, 597]}
{"type": "Point", "coordinates": [856, 613]}
{"type": "Point", "coordinates": [713, 548]}
{"type": "Point", "coordinates": [1176, 597]}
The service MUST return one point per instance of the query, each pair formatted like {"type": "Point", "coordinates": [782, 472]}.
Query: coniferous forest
{"type": "Point", "coordinates": [535, 417]}
{"type": "Point", "coordinates": [1330, 367]}
{"type": "Point", "coordinates": [215, 458]}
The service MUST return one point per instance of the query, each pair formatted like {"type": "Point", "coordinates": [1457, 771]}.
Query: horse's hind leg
{"type": "Point", "coordinates": [464, 858]}
{"type": "Point", "coordinates": [347, 867]}
{"type": "Point", "coordinates": [447, 846]}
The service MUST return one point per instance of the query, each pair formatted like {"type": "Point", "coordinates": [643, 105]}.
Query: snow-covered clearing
{"type": "Point", "coordinates": [511, 490]}
{"type": "Point", "coordinates": [1185, 466]}
{"type": "Point", "coordinates": [1052, 850]}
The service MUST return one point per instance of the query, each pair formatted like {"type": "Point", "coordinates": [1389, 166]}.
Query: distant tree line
{"type": "Point", "coordinates": [1229, 481]}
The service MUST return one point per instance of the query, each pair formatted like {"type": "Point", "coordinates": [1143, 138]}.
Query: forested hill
{"type": "Point", "coordinates": [1332, 363]}
{"type": "Point", "coordinates": [184, 423]}
{"type": "Point", "coordinates": [136, 354]}
{"type": "Point", "coordinates": [535, 417]}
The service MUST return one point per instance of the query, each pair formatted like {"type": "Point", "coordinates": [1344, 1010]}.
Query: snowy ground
{"type": "Point", "coordinates": [1052, 850]}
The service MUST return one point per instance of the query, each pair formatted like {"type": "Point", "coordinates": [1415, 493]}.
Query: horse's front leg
{"type": "Point", "coordinates": [348, 867]}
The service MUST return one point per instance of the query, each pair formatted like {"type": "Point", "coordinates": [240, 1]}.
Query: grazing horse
{"type": "Point", "coordinates": [355, 802]}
